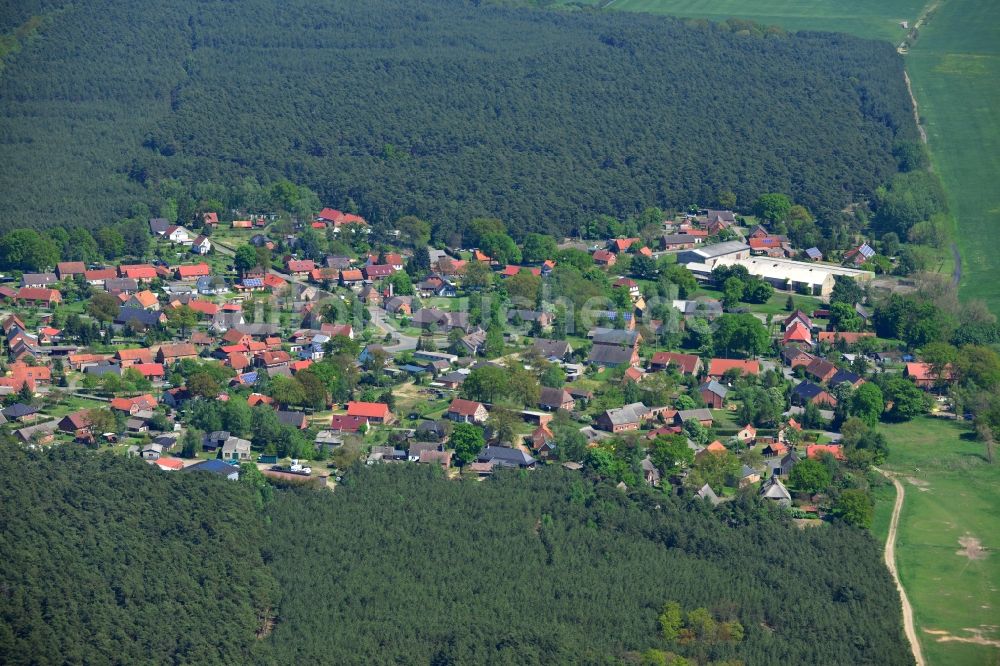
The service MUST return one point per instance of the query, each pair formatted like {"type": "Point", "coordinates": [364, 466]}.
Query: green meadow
{"type": "Point", "coordinates": [955, 71]}
{"type": "Point", "coordinates": [954, 68]}
{"type": "Point", "coordinates": [949, 513]}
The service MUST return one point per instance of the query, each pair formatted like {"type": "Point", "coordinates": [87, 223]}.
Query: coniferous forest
{"type": "Point", "coordinates": [447, 109]}
{"type": "Point", "coordinates": [109, 560]}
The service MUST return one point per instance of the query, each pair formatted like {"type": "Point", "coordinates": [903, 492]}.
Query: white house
{"type": "Point", "coordinates": [201, 245]}
{"type": "Point", "coordinates": [179, 235]}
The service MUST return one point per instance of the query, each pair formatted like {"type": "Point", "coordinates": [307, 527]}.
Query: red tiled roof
{"type": "Point", "coordinates": [347, 423]}
{"type": "Point", "coordinates": [193, 270]}
{"type": "Point", "coordinates": [814, 450]}
{"type": "Point", "coordinates": [140, 355]}
{"type": "Point", "coordinates": [137, 271]}
{"type": "Point", "coordinates": [203, 307]}
{"type": "Point", "coordinates": [687, 363]}
{"type": "Point", "coordinates": [719, 366]}
{"type": "Point", "coordinates": [368, 409]}
{"type": "Point", "coordinates": [170, 463]}
{"type": "Point", "coordinates": [178, 349]}
{"type": "Point", "coordinates": [101, 274]}
{"type": "Point", "coordinates": [150, 369]}
{"type": "Point", "coordinates": [38, 294]}
{"type": "Point", "coordinates": [71, 268]}
{"type": "Point", "coordinates": [351, 275]}
{"type": "Point", "coordinates": [925, 372]}
{"type": "Point", "coordinates": [377, 270]}
{"type": "Point", "coordinates": [273, 281]}
{"type": "Point", "coordinates": [259, 399]}
{"type": "Point", "coordinates": [464, 407]}
{"type": "Point", "coordinates": [301, 265]}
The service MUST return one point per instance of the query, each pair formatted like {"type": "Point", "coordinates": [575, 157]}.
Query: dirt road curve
{"type": "Point", "coordinates": [890, 562]}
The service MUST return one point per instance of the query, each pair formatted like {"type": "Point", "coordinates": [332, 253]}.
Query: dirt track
{"type": "Point", "coordinates": [890, 562]}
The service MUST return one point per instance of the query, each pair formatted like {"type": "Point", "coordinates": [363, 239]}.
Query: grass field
{"type": "Point", "coordinates": [955, 68]}
{"type": "Point", "coordinates": [950, 496]}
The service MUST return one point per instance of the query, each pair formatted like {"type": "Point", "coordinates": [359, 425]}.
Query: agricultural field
{"type": "Point", "coordinates": [956, 57]}
{"type": "Point", "coordinates": [949, 535]}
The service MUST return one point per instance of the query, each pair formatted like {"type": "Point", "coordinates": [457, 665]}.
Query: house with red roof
{"type": "Point", "coordinates": [720, 366]}
{"type": "Point", "coordinates": [151, 371]}
{"type": "Point", "coordinates": [814, 451]}
{"type": "Point", "coordinates": [168, 354]}
{"type": "Point", "coordinates": [237, 361]}
{"type": "Point", "coordinates": [143, 300]}
{"type": "Point", "coordinates": [134, 405]}
{"type": "Point", "coordinates": [137, 271]}
{"type": "Point", "coordinates": [128, 357]}
{"type": "Point", "coordinates": [300, 266]}
{"type": "Point", "coordinates": [926, 377]}
{"type": "Point", "coordinates": [255, 399]}
{"type": "Point", "coordinates": [273, 282]}
{"type": "Point", "coordinates": [331, 215]}
{"type": "Point", "coordinates": [604, 258]}
{"type": "Point", "coordinates": [619, 245]}
{"type": "Point", "coordinates": [210, 219]}
{"type": "Point", "coordinates": [296, 366]}
{"type": "Point", "coordinates": [628, 283]}
{"type": "Point", "coordinates": [235, 336]}
{"type": "Point", "coordinates": [203, 308]}
{"type": "Point", "coordinates": [192, 271]}
{"type": "Point", "coordinates": [377, 271]}
{"type": "Point", "coordinates": [347, 423]}
{"type": "Point", "coordinates": [20, 374]}
{"type": "Point", "coordinates": [375, 412]}
{"type": "Point", "coordinates": [466, 411]}
{"type": "Point", "coordinates": [48, 335]}
{"type": "Point", "coordinates": [38, 296]}
{"type": "Point", "coordinates": [99, 276]}
{"type": "Point", "coordinates": [716, 448]}
{"type": "Point", "coordinates": [273, 359]}
{"type": "Point", "coordinates": [747, 434]}
{"type": "Point", "coordinates": [797, 332]}
{"type": "Point", "coordinates": [242, 224]}
{"type": "Point", "coordinates": [65, 269]}
{"type": "Point", "coordinates": [686, 364]}
{"type": "Point", "coordinates": [169, 464]}
{"type": "Point", "coordinates": [351, 277]}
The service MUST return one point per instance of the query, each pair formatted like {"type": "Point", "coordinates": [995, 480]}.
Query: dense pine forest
{"type": "Point", "coordinates": [445, 109]}
{"type": "Point", "coordinates": [109, 560]}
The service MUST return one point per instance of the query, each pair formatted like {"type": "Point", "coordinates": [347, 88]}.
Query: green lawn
{"type": "Point", "coordinates": [951, 494]}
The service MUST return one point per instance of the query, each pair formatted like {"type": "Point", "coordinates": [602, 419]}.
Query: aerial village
{"type": "Point", "coordinates": [708, 357]}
